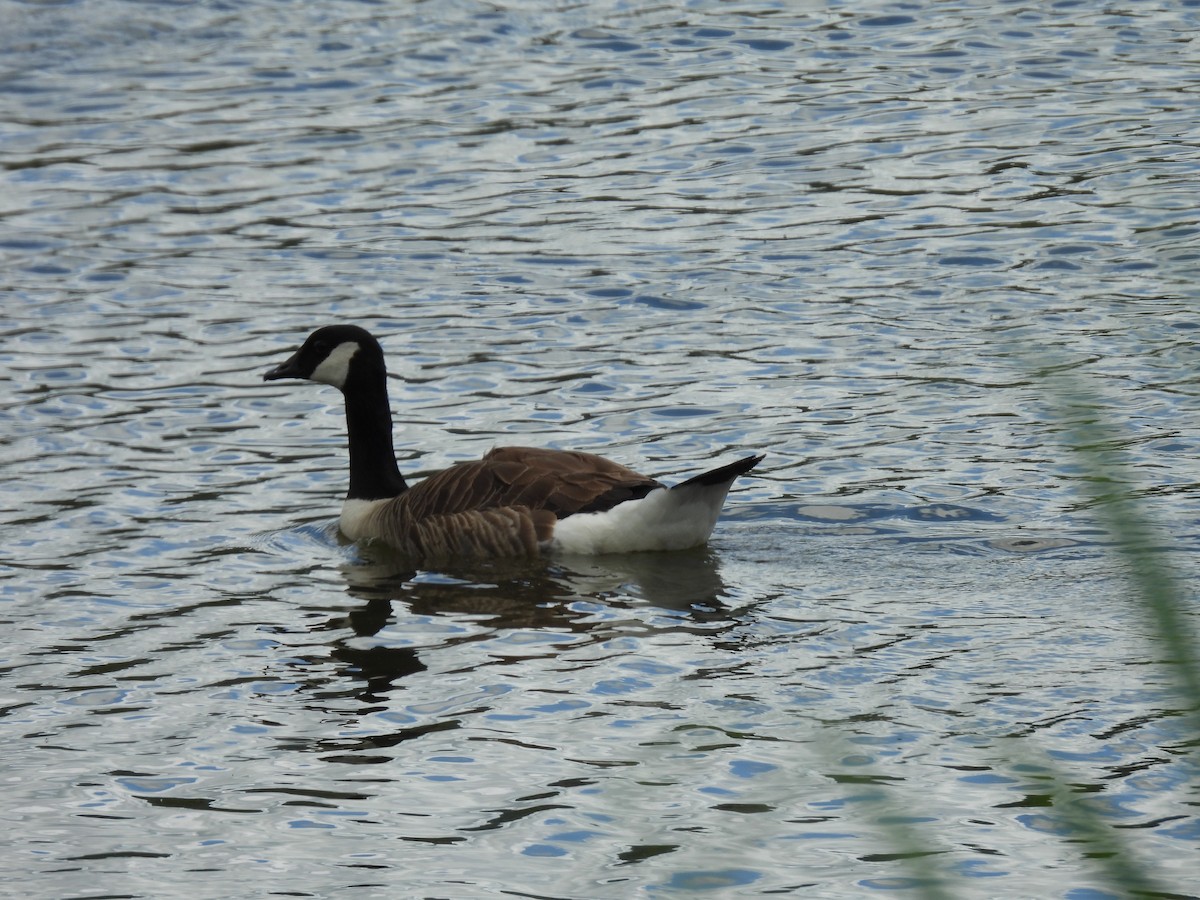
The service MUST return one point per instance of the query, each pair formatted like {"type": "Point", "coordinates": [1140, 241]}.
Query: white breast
{"type": "Point", "coordinates": [356, 519]}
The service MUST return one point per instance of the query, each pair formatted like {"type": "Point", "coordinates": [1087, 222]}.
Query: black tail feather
{"type": "Point", "coordinates": [724, 474]}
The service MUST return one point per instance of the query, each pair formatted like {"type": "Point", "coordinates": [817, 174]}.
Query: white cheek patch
{"type": "Point", "coordinates": [335, 368]}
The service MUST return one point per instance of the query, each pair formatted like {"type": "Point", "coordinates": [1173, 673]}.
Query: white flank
{"type": "Point", "coordinates": [662, 520]}
{"type": "Point", "coordinates": [335, 368]}
{"type": "Point", "coordinates": [355, 521]}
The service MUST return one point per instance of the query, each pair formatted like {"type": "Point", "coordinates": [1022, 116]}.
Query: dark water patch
{"type": "Point", "coordinates": [971, 261]}
{"type": "Point", "coordinates": [885, 21]}
{"type": "Point", "coordinates": [767, 45]}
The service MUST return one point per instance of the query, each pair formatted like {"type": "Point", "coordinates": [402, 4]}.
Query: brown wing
{"type": "Point", "coordinates": [559, 481]}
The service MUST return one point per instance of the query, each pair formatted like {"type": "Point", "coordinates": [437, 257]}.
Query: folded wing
{"type": "Point", "coordinates": [559, 481]}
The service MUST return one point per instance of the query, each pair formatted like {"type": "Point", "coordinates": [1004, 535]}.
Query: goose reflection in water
{"type": "Point", "coordinates": [540, 594]}
{"type": "Point", "coordinates": [559, 596]}
{"type": "Point", "coordinates": [593, 599]}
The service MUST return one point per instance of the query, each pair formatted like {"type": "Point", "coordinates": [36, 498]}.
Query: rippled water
{"type": "Point", "coordinates": [837, 234]}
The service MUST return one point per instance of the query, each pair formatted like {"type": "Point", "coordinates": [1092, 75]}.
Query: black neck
{"type": "Point", "coordinates": [373, 471]}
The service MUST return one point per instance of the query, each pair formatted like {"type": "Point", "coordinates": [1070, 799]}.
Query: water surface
{"type": "Point", "coordinates": [840, 235]}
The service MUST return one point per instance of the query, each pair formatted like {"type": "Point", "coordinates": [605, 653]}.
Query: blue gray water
{"type": "Point", "coordinates": [844, 235]}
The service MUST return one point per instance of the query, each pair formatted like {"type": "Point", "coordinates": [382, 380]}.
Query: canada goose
{"type": "Point", "coordinates": [515, 501]}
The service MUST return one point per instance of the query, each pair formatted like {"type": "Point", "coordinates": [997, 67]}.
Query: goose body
{"type": "Point", "coordinates": [515, 501]}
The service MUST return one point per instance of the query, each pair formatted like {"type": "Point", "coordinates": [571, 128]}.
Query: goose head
{"type": "Point", "coordinates": [348, 358]}
{"type": "Point", "coordinates": [340, 355]}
